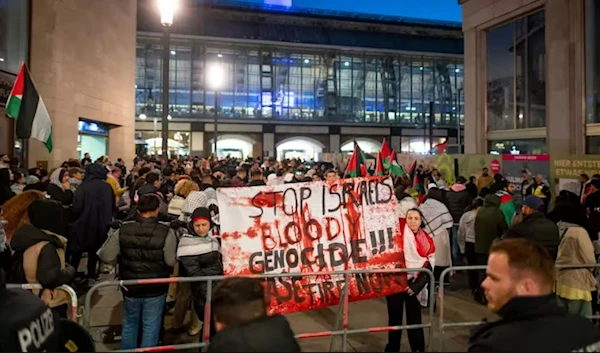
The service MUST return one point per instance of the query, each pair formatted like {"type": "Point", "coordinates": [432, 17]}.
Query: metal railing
{"type": "Point", "coordinates": [443, 325]}
{"type": "Point", "coordinates": [67, 289]}
{"type": "Point", "coordinates": [341, 322]}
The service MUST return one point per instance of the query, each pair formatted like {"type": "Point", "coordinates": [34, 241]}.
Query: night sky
{"type": "Point", "coordinates": [447, 10]}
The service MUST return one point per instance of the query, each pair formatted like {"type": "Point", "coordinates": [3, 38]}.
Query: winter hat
{"type": "Point", "coordinates": [201, 213]}
{"type": "Point", "coordinates": [47, 215]}
{"type": "Point", "coordinates": [533, 202]}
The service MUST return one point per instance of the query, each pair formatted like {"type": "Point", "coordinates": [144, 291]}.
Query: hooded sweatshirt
{"type": "Point", "coordinates": [193, 244]}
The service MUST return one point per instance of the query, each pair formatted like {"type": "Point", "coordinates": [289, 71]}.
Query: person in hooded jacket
{"type": "Point", "coordinates": [490, 225]}
{"type": "Point", "coordinates": [199, 253]}
{"type": "Point", "coordinates": [239, 311]}
{"type": "Point", "coordinates": [93, 207]}
{"type": "Point", "coordinates": [59, 188]}
{"type": "Point", "coordinates": [459, 199]}
{"type": "Point", "coordinates": [39, 251]}
{"type": "Point", "coordinates": [5, 192]}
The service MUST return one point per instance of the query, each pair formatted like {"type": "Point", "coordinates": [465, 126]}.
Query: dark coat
{"type": "Point", "coordinates": [265, 334]}
{"type": "Point", "coordinates": [93, 206]}
{"type": "Point", "coordinates": [490, 224]}
{"type": "Point", "coordinates": [537, 228]}
{"type": "Point", "coordinates": [50, 273]}
{"type": "Point", "coordinates": [458, 201]}
{"type": "Point", "coordinates": [65, 197]}
{"type": "Point", "coordinates": [5, 191]}
{"type": "Point", "coordinates": [534, 324]}
{"type": "Point", "coordinates": [141, 255]}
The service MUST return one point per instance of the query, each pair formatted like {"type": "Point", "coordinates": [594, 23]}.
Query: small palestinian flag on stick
{"type": "Point", "coordinates": [379, 167]}
{"type": "Point", "coordinates": [441, 148]}
{"type": "Point", "coordinates": [356, 165]}
{"type": "Point", "coordinates": [412, 173]}
{"type": "Point", "coordinates": [394, 168]}
{"type": "Point", "coordinates": [27, 107]}
{"type": "Point", "coordinates": [385, 154]}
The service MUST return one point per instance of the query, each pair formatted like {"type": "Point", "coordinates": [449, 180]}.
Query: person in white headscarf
{"type": "Point", "coordinates": [59, 188]}
{"type": "Point", "coordinates": [194, 200]}
{"type": "Point", "coordinates": [437, 222]}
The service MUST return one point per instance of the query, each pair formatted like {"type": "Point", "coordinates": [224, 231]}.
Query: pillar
{"type": "Point", "coordinates": [565, 83]}
{"type": "Point", "coordinates": [334, 143]}
{"type": "Point", "coordinates": [197, 144]}
{"type": "Point", "coordinates": [268, 145]}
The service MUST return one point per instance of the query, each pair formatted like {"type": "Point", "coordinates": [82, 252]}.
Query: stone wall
{"type": "Point", "coordinates": [83, 64]}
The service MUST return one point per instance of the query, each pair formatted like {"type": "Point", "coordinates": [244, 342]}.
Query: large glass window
{"type": "Point", "coordinates": [516, 84]}
{"type": "Point", "coordinates": [592, 52]}
{"type": "Point", "coordinates": [14, 34]}
{"type": "Point", "coordinates": [297, 84]}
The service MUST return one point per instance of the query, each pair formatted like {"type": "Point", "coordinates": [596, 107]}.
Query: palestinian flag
{"type": "Point", "coordinates": [27, 107]}
{"type": "Point", "coordinates": [441, 148]}
{"type": "Point", "coordinates": [356, 166]}
{"type": "Point", "coordinates": [385, 154]}
{"type": "Point", "coordinates": [412, 173]}
{"type": "Point", "coordinates": [379, 167]}
{"type": "Point", "coordinates": [394, 168]}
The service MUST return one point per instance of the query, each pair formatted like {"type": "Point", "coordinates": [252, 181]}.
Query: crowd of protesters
{"type": "Point", "coordinates": [161, 218]}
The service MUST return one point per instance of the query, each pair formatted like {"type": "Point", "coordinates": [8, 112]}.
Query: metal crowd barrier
{"type": "Point", "coordinates": [443, 325]}
{"type": "Point", "coordinates": [341, 317]}
{"type": "Point", "coordinates": [69, 290]}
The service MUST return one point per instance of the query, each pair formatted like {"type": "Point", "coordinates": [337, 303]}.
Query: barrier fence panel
{"type": "Point", "coordinates": [67, 289]}
{"type": "Point", "coordinates": [443, 325]}
{"type": "Point", "coordinates": [344, 304]}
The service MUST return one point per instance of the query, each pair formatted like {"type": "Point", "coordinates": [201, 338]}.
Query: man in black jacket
{"type": "Point", "coordinates": [145, 248]}
{"type": "Point", "coordinates": [459, 199]}
{"type": "Point", "coordinates": [241, 321]}
{"type": "Point", "coordinates": [519, 288]}
{"type": "Point", "coordinates": [536, 227]}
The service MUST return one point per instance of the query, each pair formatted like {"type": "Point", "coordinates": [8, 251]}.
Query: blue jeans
{"type": "Point", "coordinates": [151, 312]}
{"type": "Point", "coordinates": [456, 258]}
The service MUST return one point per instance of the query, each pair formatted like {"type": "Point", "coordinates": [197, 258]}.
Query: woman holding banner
{"type": "Point", "coordinates": [419, 252]}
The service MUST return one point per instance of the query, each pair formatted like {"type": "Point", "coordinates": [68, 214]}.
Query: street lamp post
{"type": "Point", "coordinates": [216, 131]}
{"type": "Point", "coordinates": [215, 76]}
{"type": "Point", "coordinates": [167, 10]}
{"type": "Point", "coordinates": [459, 93]}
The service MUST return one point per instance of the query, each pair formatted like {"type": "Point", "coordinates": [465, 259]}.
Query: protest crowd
{"type": "Point", "coordinates": [162, 218]}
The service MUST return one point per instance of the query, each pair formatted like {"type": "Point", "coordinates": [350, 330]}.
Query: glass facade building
{"type": "Point", "coordinates": [516, 74]}
{"type": "Point", "coordinates": [14, 34]}
{"type": "Point", "coordinates": [292, 83]}
{"type": "Point", "coordinates": [592, 46]}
